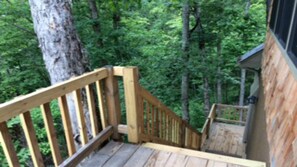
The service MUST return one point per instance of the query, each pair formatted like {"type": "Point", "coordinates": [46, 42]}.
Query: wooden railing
{"type": "Point", "coordinates": [230, 114]}
{"type": "Point", "coordinates": [22, 106]}
{"type": "Point", "coordinates": [147, 118]}
{"type": "Point", "coordinates": [160, 125]}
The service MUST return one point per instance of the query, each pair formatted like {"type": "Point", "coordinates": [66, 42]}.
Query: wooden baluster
{"type": "Point", "coordinates": [167, 126]}
{"type": "Point", "coordinates": [80, 117]}
{"type": "Point", "coordinates": [30, 135]}
{"type": "Point", "coordinates": [113, 102]}
{"type": "Point", "coordinates": [103, 115]}
{"type": "Point", "coordinates": [148, 117]}
{"type": "Point", "coordinates": [160, 123]}
{"type": "Point", "coordinates": [141, 115]}
{"type": "Point", "coordinates": [7, 146]}
{"type": "Point", "coordinates": [190, 138]}
{"type": "Point", "coordinates": [153, 120]}
{"type": "Point", "coordinates": [92, 110]}
{"type": "Point", "coordinates": [51, 133]}
{"type": "Point", "coordinates": [67, 124]}
{"type": "Point", "coordinates": [157, 122]}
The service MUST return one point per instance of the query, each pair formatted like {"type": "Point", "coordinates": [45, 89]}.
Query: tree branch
{"type": "Point", "coordinates": [24, 29]}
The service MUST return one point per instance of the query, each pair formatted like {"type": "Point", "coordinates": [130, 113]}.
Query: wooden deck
{"type": "Point", "coordinates": [225, 139]}
{"type": "Point", "coordinates": [118, 154]}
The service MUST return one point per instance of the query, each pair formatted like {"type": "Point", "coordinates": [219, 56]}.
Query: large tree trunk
{"type": "Point", "coordinates": [62, 50]}
{"type": "Point", "coordinates": [185, 75]}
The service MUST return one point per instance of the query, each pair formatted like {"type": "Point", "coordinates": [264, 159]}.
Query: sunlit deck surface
{"type": "Point", "coordinates": [117, 154]}
{"type": "Point", "coordinates": [225, 139]}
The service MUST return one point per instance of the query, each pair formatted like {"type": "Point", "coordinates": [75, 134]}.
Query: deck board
{"type": "Point", "coordinates": [140, 157]}
{"type": "Point", "coordinates": [117, 154]}
{"type": "Point", "coordinates": [121, 156]}
{"type": "Point", "coordinates": [225, 139]}
{"type": "Point", "coordinates": [158, 158]}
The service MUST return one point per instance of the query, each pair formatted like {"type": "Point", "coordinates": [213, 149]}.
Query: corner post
{"type": "Point", "coordinates": [113, 102]}
{"type": "Point", "coordinates": [131, 87]}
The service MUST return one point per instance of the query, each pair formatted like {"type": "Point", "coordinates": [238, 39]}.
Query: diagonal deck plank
{"type": "Point", "coordinates": [140, 157]}
{"type": "Point", "coordinates": [193, 162]}
{"type": "Point", "coordinates": [158, 158]}
{"type": "Point", "coordinates": [103, 155]}
{"type": "Point", "coordinates": [176, 160]}
{"type": "Point", "coordinates": [121, 156]}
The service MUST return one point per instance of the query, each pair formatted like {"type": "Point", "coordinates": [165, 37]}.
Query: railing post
{"type": "Point", "coordinates": [131, 87]}
{"type": "Point", "coordinates": [113, 102]}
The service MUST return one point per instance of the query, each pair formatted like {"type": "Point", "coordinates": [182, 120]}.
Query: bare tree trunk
{"type": "Point", "coordinates": [247, 8]}
{"type": "Point", "coordinates": [206, 95]}
{"type": "Point", "coordinates": [95, 17]}
{"type": "Point", "coordinates": [219, 76]}
{"type": "Point", "coordinates": [62, 50]}
{"type": "Point", "coordinates": [242, 90]}
{"type": "Point", "coordinates": [185, 76]}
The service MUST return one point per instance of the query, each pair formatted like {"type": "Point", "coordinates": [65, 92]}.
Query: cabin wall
{"type": "Point", "coordinates": [280, 91]}
{"type": "Point", "coordinates": [257, 145]}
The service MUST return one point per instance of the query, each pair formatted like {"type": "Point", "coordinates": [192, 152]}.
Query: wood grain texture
{"type": "Point", "coordinates": [80, 116]}
{"type": "Point", "coordinates": [23, 104]}
{"type": "Point", "coordinates": [204, 155]}
{"type": "Point", "coordinates": [30, 135]}
{"type": "Point", "coordinates": [85, 151]}
{"type": "Point", "coordinates": [51, 133]}
{"type": "Point", "coordinates": [67, 125]}
{"type": "Point", "coordinates": [101, 103]}
{"type": "Point", "coordinates": [7, 146]}
{"type": "Point", "coordinates": [131, 87]}
{"type": "Point", "coordinates": [113, 101]}
{"type": "Point", "coordinates": [92, 110]}
{"type": "Point", "coordinates": [280, 92]}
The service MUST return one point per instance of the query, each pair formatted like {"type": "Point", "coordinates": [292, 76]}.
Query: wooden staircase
{"type": "Point", "coordinates": [148, 120]}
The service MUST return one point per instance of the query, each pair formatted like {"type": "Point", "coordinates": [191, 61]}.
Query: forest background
{"type": "Point", "coordinates": [147, 34]}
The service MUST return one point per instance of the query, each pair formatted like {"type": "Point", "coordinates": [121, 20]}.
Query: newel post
{"type": "Point", "coordinates": [131, 87]}
{"type": "Point", "coordinates": [113, 102]}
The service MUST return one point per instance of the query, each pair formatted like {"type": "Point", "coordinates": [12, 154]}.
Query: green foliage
{"type": "Point", "coordinates": [147, 34]}
{"type": "Point", "coordinates": [22, 70]}
{"type": "Point", "coordinates": [19, 140]}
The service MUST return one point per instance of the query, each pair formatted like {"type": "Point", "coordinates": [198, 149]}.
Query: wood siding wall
{"type": "Point", "coordinates": [280, 91]}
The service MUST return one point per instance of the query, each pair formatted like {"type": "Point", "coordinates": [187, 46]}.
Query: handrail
{"type": "Point", "coordinates": [147, 118]}
{"type": "Point", "coordinates": [72, 88]}
{"type": "Point", "coordinates": [161, 125]}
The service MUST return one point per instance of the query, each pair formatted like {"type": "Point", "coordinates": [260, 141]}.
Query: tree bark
{"type": "Point", "coordinates": [247, 9]}
{"type": "Point", "coordinates": [242, 90]}
{"type": "Point", "coordinates": [62, 50]}
{"type": "Point", "coordinates": [206, 95]}
{"type": "Point", "coordinates": [219, 76]}
{"type": "Point", "coordinates": [185, 49]}
{"type": "Point", "coordinates": [95, 17]}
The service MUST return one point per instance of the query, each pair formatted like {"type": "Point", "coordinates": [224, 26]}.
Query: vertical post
{"type": "Point", "coordinates": [131, 87]}
{"type": "Point", "coordinates": [7, 146]}
{"type": "Point", "coordinates": [182, 134]}
{"type": "Point", "coordinates": [113, 102]}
